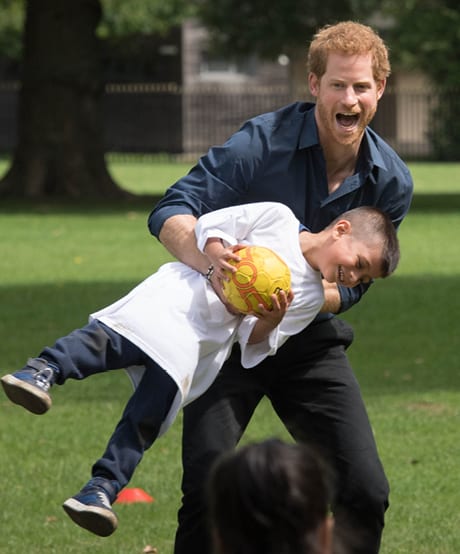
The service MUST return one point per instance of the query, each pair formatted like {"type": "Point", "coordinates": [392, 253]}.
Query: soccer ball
{"type": "Point", "coordinates": [260, 273]}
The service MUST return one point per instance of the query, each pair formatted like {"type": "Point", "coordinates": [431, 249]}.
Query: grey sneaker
{"type": "Point", "coordinates": [29, 386]}
{"type": "Point", "coordinates": [91, 508]}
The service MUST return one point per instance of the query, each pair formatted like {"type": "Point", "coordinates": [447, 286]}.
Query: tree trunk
{"type": "Point", "coordinates": [60, 150]}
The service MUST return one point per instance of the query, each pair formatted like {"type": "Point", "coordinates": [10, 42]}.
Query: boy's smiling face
{"type": "Point", "coordinates": [348, 260]}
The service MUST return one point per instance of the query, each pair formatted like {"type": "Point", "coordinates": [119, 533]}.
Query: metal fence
{"type": "Point", "coordinates": [168, 119]}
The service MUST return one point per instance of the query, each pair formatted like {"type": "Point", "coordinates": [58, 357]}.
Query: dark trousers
{"type": "Point", "coordinates": [95, 349]}
{"type": "Point", "coordinates": [313, 391]}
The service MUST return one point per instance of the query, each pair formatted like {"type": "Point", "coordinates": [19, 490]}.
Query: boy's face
{"type": "Point", "coordinates": [349, 261]}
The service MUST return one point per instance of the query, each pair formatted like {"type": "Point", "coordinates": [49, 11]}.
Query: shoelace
{"type": "Point", "coordinates": [103, 499]}
{"type": "Point", "coordinates": [43, 378]}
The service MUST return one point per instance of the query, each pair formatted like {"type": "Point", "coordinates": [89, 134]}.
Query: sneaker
{"type": "Point", "coordinates": [91, 508]}
{"type": "Point", "coordinates": [29, 387]}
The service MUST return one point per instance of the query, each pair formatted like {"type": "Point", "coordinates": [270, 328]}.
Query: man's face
{"type": "Point", "coordinates": [346, 97]}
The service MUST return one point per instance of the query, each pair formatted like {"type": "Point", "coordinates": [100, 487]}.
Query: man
{"type": "Point", "coordinates": [321, 160]}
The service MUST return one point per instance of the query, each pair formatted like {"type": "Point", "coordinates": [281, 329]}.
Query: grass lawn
{"type": "Point", "coordinates": [61, 263]}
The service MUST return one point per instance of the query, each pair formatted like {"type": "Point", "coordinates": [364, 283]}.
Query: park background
{"type": "Point", "coordinates": [73, 241]}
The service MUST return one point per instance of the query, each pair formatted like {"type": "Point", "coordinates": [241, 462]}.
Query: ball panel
{"type": "Point", "coordinates": [260, 273]}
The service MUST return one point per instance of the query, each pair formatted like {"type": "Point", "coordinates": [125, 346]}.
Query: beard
{"type": "Point", "coordinates": [329, 125]}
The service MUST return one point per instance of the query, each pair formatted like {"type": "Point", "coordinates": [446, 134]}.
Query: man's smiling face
{"type": "Point", "coordinates": [346, 97]}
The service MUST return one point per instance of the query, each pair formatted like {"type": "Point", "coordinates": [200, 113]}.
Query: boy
{"type": "Point", "coordinates": [177, 332]}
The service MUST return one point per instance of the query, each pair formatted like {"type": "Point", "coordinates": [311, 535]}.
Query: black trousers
{"type": "Point", "coordinates": [313, 391]}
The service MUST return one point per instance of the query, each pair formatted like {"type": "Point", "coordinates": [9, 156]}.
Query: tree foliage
{"type": "Point", "coordinates": [270, 27]}
{"type": "Point", "coordinates": [11, 25]}
{"type": "Point", "coordinates": [121, 18]}
{"type": "Point", "coordinates": [426, 36]}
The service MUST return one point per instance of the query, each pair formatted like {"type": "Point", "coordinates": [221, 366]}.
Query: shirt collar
{"type": "Point", "coordinates": [373, 154]}
{"type": "Point", "coordinates": [309, 133]}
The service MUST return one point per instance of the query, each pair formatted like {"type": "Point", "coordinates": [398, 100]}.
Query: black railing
{"type": "Point", "coordinates": [164, 118]}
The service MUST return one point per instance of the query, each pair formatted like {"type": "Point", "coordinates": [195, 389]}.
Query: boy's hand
{"type": "Point", "coordinates": [280, 304]}
{"type": "Point", "coordinates": [267, 320]}
{"type": "Point", "coordinates": [220, 257]}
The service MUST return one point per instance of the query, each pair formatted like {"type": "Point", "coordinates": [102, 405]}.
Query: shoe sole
{"type": "Point", "coordinates": [26, 395]}
{"type": "Point", "coordinates": [99, 521]}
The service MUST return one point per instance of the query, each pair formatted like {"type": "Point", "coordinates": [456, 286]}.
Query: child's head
{"type": "Point", "coordinates": [271, 497]}
{"type": "Point", "coordinates": [364, 247]}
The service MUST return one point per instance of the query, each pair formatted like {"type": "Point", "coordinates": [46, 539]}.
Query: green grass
{"type": "Point", "coordinates": [406, 359]}
{"type": "Point", "coordinates": [61, 263]}
{"type": "Point", "coordinates": [433, 178]}
{"type": "Point", "coordinates": [135, 174]}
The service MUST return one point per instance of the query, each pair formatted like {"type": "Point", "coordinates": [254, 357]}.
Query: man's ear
{"type": "Point", "coordinates": [313, 84]}
{"type": "Point", "coordinates": [381, 88]}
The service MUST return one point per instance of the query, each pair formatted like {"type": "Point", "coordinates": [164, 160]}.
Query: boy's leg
{"type": "Point", "coordinates": [136, 431]}
{"type": "Point", "coordinates": [139, 425]}
{"type": "Point", "coordinates": [92, 349]}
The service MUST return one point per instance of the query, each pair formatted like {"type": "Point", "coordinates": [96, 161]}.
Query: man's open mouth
{"type": "Point", "coordinates": [347, 119]}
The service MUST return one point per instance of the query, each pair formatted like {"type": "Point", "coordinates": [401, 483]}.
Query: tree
{"type": "Point", "coordinates": [270, 28]}
{"type": "Point", "coordinates": [426, 36]}
{"type": "Point", "coordinates": [60, 142]}
{"type": "Point", "coordinates": [60, 150]}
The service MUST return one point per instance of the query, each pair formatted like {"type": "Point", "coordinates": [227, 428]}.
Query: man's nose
{"type": "Point", "coordinates": [350, 98]}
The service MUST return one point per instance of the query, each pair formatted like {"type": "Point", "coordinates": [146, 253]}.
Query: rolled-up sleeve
{"type": "Point", "coordinates": [219, 179]}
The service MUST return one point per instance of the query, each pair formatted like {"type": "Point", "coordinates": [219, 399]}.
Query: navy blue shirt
{"type": "Point", "coordinates": [277, 157]}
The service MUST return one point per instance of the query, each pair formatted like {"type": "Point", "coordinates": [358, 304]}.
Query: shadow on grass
{"type": "Point", "coordinates": [143, 203]}
{"type": "Point", "coordinates": [449, 202]}
{"type": "Point", "coordinates": [444, 203]}
{"type": "Point", "coordinates": [406, 329]}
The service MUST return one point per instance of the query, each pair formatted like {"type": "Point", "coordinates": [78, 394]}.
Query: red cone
{"type": "Point", "coordinates": [130, 496]}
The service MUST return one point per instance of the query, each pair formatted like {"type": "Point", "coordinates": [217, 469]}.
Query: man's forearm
{"type": "Point", "coordinates": [332, 300]}
{"type": "Point", "coordinates": [178, 236]}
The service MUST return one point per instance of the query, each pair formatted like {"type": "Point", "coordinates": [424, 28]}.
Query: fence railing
{"type": "Point", "coordinates": [165, 118]}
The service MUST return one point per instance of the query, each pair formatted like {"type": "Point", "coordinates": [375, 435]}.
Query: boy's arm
{"type": "Point", "coordinates": [268, 320]}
